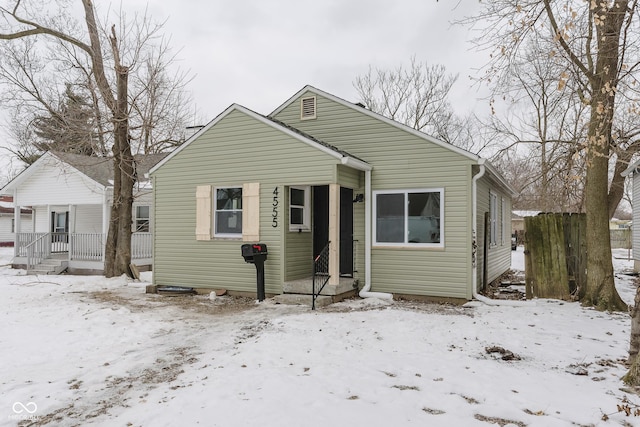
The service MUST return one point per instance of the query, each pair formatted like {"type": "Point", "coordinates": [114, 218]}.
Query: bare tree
{"type": "Point", "coordinates": [35, 82]}
{"type": "Point", "coordinates": [593, 41]}
{"type": "Point", "coordinates": [106, 57]}
{"type": "Point", "coordinates": [158, 100]}
{"type": "Point", "coordinates": [416, 96]}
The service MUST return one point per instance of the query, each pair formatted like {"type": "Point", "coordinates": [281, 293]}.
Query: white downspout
{"type": "Point", "coordinates": [365, 292]}
{"type": "Point", "coordinates": [474, 270]}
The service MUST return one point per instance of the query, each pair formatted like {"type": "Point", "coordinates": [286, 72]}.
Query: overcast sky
{"type": "Point", "coordinates": [258, 53]}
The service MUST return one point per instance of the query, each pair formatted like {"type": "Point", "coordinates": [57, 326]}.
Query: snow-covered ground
{"type": "Point", "coordinates": [90, 351]}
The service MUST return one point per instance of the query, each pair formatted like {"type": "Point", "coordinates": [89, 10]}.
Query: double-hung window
{"type": "Point", "coordinates": [142, 219]}
{"type": "Point", "coordinates": [503, 221]}
{"type": "Point", "coordinates": [409, 217]}
{"type": "Point", "coordinates": [299, 208]}
{"type": "Point", "coordinates": [228, 212]}
{"type": "Point", "coordinates": [493, 218]}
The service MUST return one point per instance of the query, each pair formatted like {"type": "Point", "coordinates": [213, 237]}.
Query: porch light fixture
{"type": "Point", "coordinates": [359, 198]}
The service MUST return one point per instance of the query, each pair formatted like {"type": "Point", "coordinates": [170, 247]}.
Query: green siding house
{"type": "Point", "coordinates": [393, 209]}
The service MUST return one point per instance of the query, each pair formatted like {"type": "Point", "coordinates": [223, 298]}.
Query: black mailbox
{"type": "Point", "coordinates": [252, 252]}
{"type": "Point", "coordinates": [256, 253]}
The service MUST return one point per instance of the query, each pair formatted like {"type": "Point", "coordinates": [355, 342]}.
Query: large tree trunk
{"type": "Point", "coordinates": [118, 247]}
{"type": "Point", "coordinates": [118, 252]}
{"type": "Point", "coordinates": [127, 178]}
{"type": "Point", "coordinates": [601, 291]}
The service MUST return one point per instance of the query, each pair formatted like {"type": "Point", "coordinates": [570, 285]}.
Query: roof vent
{"type": "Point", "coordinates": [308, 108]}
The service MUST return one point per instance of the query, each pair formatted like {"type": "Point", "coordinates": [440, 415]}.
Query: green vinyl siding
{"type": "Point", "coordinates": [238, 149]}
{"type": "Point", "coordinates": [241, 148]}
{"type": "Point", "coordinates": [499, 255]}
{"type": "Point", "coordinates": [350, 178]}
{"type": "Point", "coordinates": [299, 249]}
{"type": "Point", "coordinates": [402, 160]}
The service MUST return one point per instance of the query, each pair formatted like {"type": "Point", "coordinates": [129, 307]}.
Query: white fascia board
{"type": "Point", "coordinates": [498, 176]}
{"type": "Point", "coordinates": [29, 171]}
{"type": "Point", "coordinates": [25, 174]}
{"type": "Point", "coordinates": [264, 120]}
{"type": "Point", "coordinates": [376, 116]}
{"type": "Point", "coordinates": [193, 138]}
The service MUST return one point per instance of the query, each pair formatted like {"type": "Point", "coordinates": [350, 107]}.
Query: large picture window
{"type": "Point", "coordinates": [409, 217]}
{"type": "Point", "coordinates": [228, 212]}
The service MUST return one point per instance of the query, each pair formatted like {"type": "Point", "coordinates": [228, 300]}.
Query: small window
{"type": "Point", "coordinates": [308, 108]}
{"type": "Point", "coordinates": [142, 219]}
{"type": "Point", "coordinates": [228, 212]}
{"type": "Point", "coordinates": [503, 222]}
{"type": "Point", "coordinates": [299, 208]}
{"type": "Point", "coordinates": [493, 215]}
{"type": "Point", "coordinates": [409, 217]}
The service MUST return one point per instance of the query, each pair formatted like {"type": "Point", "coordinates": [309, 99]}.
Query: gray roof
{"type": "Point", "coordinates": [100, 169]}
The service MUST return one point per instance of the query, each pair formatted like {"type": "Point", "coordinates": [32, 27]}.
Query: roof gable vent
{"type": "Point", "coordinates": [308, 108]}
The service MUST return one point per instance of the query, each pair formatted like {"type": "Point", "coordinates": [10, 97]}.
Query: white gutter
{"type": "Point", "coordinates": [365, 292]}
{"type": "Point", "coordinates": [474, 269]}
{"type": "Point", "coordinates": [356, 164]}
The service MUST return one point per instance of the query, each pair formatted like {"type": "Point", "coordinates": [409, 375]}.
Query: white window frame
{"type": "Point", "coordinates": [493, 218]}
{"type": "Point", "coordinates": [407, 244]}
{"type": "Point", "coordinates": [216, 210]}
{"type": "Point", "coordinates": [138, 218]}
{"type": "Point", "coordinates": [306, 209]}
{"type": "Point", "coordinates": [503, 222]}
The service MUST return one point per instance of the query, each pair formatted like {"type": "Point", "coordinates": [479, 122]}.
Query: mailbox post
{"type": "Point", "coordinates": [256, 254]}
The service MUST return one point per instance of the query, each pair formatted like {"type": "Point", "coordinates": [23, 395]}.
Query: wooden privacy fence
{"type": "Point", "coordinates": [555, 255]}
{"type": "Point", "coordinates": [621, 238]}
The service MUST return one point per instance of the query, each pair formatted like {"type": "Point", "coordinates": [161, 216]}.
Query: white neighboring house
{"type": "Point", "coordinates": [7, 221]}
{"type": "Point", "coordinates": [70, 196]}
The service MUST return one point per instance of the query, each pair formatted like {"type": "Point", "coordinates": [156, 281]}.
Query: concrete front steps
{"type": "Point", "coordinates": [49, 266]}
{"type": "Point", "coordinates": [299, 292]}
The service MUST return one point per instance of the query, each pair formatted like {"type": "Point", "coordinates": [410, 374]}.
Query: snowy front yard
{"type": "Point", "coordinates": [91, 351]}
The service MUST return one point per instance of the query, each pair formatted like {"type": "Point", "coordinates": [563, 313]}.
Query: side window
{"type": "Point", "coordinates": [299, 208]}
{"type": "Point", "coordinates": [493, 215]}
{"type": "Point", "coordinates": [228, 212]}
{"type": "Point", "coordinates": [503, 221]}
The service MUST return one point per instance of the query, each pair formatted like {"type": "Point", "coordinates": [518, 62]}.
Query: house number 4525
{"type": "Point", "coordinates": [274, 221]}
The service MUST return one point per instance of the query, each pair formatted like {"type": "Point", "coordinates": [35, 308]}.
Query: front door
{"type": "Point", "coordinates": [320, 218]}
{"type": "Point", "coordinates": [346, 232]}
{"type": "Point", "coordinates": [59, 231]}
{"type": "Point", "coordinates": [321, 225]}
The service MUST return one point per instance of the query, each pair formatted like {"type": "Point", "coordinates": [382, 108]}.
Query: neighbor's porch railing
{"type": "Point", "coordinates": [38, 250]}
{"type": "Point", "coordinates": [141, 245]}
{"type": "Point", "coordinates": [80, 246]}
{"type": "Point", "coordinates": [87, 246]}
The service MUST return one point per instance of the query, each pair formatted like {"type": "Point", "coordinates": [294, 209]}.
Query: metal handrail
{"type": "Point", "coordinates": [38, 250]}
{"type": "Point", "coordinates": [320, 274]}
